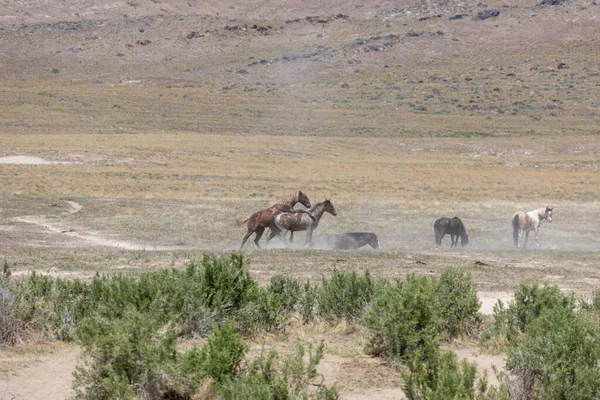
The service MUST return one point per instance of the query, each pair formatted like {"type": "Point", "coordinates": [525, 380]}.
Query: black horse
{"type": "Point", "coordinates": [453, 227]}
{"type": "Point", "coordinates": [345, 241]}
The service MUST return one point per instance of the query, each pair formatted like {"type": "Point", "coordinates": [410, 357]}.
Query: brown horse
{"type": "Point", "coordinates": [528, 222]}
{"type": "Point", "coordinates": [293, 222]}
{"type": "Point", "coordinates": [259, 220]}
{"type": "Point", "coordinates": [453, 227]}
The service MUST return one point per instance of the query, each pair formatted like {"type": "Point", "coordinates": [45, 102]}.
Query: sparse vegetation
{"type": "Point", "coordinates": [443, 377]}
{"type": "Point", "coordinates": [163, 126]}
{"type": "Point", "coordinates": [552, 348]}
{"type": "Point", "coordinates": [419, 312]}
{"type": "Point", "coordinates": [129, 327]}
{"type": "Point", "coordinates": [344, 296]}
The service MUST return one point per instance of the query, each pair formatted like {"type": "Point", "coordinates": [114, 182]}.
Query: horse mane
{"type": "Point", "coordinates": [291, 198]}
{"type": "Point", "coordinates": [313, 208]}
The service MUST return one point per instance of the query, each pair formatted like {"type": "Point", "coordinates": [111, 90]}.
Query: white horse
{"type": "Point", "coordinates": [530, 221]}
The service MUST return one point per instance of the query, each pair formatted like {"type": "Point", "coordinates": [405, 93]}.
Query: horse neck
{"type": "Point", "coordinates": [290, 201]}
{"type": "Point", "coordinates": [541, 212]}
{"type": "Point", "coordinates": [317, 211]}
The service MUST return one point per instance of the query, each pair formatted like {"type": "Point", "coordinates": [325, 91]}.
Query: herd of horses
{"type": "Point", "coordinates": [282, 218]}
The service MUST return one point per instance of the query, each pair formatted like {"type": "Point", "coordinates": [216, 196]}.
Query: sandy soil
{"type": "Point", "coordinates": [40, 372]}
{"type": "Point", "coordinates": [132, 134]}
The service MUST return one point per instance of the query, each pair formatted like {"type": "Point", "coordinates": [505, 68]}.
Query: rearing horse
{"type": "Point", "coordinates": [260, 219]}
{"type": "Point", "coordinates": [528, 222]}
{"type": "Point", "coordinates": [306, 221]}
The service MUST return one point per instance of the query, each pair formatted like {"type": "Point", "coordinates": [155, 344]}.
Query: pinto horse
{"type": "Point", "coordinates": [259, 220]}
{"type": "Point", "coordinates": [345, 241]}
{"type": "Point", "coordinates": [293, 222]}
{"type": "Point", "coordinates": [530, 221]}
{"type": "Point", "coordinates": [453, 227]}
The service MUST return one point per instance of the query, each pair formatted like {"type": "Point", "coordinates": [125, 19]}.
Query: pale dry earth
{"type": "Point", "coordinates": [133, 133]}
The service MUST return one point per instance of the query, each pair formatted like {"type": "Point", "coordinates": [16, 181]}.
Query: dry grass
{"type": "Point", "coordinates": [164, 144]}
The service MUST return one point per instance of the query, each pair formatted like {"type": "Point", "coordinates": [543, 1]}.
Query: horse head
{"type": "Point", "coordinates": [375, 242]}
{"type": "Point", "coordinates": [329, 207]}
{"type": "Point", "coordinates": [548, 214]}
{"type": "Point", "coordinates": [464, 240]}
{"type": "Point", "coordinates": [302, 199]}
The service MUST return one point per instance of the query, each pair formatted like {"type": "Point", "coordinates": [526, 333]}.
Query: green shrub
{"type": "Point", "coordinates": [38, 305]}
{"type": "Point", "coordinates": [530, 300]}
{"type": "Point", "coordinates": [592, 304]}
{"type": "Point", "coordinates": [221, 357]}
{"type": "Point", "coordinates": [227, 284]}
{"type": "Point", "coordinates": [288, 290]}
{"type": "Point", "coordinates": [457, 302]}
{"type": "Point", "coordinates": [557, 357]}
{"type": "Point", "coordinates": [196, 298]}
{"type": "Point", "coordinates": [345, 295]}
{"type": "Point", "coordinates": [129, 358]}
{"type": "Point", "coordinates": [263, 380]}
{"type": "Point", "coordinates": [404, 317]}
{"type": "Point", "coordinates": [10, 324]}
{"type": "Point", "coordinates": [553, 350]}
{"type": "Point", "coordinates": [440, 377]}
{"type": "Point", "coordinates": [307, 302]}
{"type": "Point", "coordinates": [272, 311]}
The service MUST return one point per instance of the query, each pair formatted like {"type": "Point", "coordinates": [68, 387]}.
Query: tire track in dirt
{"type": "Point", "coordinates": [90, 238]}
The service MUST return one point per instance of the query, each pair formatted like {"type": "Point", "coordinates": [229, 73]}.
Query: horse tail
{"type": "Point", "coordinates": [436, 230]}
{"type": "Point", "coordinates": [241, 220]}
{"type": "Point", "coordinates": [516, 228]}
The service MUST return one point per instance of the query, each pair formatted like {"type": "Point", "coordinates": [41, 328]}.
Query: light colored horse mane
{"type": "Point", "coordinates": [283, 205]}
{"type": "Point", "coordinates": [291, 199]}
{"type": "Point", "coordinates": [530, 221]}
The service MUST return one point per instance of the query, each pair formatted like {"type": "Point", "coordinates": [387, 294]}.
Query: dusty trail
{"type": "Point", "coordinates": [46, 375]}
{"type": "Point", "coordinates": [91, 238]}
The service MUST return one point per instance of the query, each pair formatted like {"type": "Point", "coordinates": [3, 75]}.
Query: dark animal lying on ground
{"type": "Point", "coordinates": [345, 241]}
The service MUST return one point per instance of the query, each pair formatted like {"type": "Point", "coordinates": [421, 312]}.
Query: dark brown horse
{"type": "Point", "coordinates": [345, 241]}
{"type": "Point", "coordinates": [453, 227]}
{"type": "Point", "coordinates": [260, 220]}
{"type": "Point", "coordinates": [293, 222]}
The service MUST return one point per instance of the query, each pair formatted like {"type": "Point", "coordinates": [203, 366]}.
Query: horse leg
{"type": "Point", "coordinates": [285, 241]}
{"type": "Point", "coordinates": [526, 237]}
{"type": "Point", "coordinates": [308, 238]}
{"type": "Point", "coordinates": [452, 239]}
{"type": "Point", "coordinates": [291, 237]}
{"type": "Point", "coordinates": [537, 237]}
{"type": "Point", "coordinates": [259, 232]}
{"type": "Point", "coordinates": [246, 236]}
{"type": "Point", "coordinates": [270, 236]}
